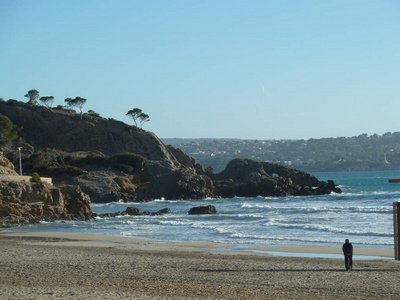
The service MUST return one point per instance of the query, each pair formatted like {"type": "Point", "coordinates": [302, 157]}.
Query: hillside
{"type": "Point", "coordinates": [363, 152]}
{"type": "Point", "coordinates": [42, 127]}
{"type": "Point", "coordinates": [110, 160]}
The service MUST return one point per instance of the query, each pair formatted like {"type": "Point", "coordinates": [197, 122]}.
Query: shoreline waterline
{"type": "Point", "coordinates": [104, 240]}
{"type": "Point", "coordinates": [363, 213]}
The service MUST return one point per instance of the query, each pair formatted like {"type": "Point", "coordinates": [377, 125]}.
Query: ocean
{"type": "Point", "coordinates": [362, 213]}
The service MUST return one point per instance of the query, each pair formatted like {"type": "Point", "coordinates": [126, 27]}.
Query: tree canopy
{"type": "Point", "coordinates": [77, 102]}
{"type": "Point", "coordinates": [143, 118]}
{"type": "Point", "coordinates": [47, 100]}
{"type": "Point", "coordinates": [134, 114]}
{"type": "Point", "coordinates": [137, 114]}
{"type": "Point", "coordinates": [32, 95]}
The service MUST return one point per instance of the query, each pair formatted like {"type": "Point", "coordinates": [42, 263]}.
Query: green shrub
{"type": "Point", "coordinates": [49, 157]}
{"type": "Point", "coordinates": [93, 113]}
{"type": "Point", "coordinates": [64, 108]}
{"type": "Point", "coordinates": [93, 159]}
{"type": "Point", "coordinates": [36, 178]}
{"type": "Point", "coordinates": [12, 102]}
{"type": "Point", "coordinates": [65, 170]}
{"type": "Point", "coordinates": [128, 158]}
{"type": "Point", "coordinates": [70, 110]}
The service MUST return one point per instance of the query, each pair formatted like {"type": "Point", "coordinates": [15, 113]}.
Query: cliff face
{"type": "Point", "coordinates": [6, 167]}
{"type": "Point", "coordinates": [59, 129]}
{"type": "Point", "coordinates": [26, 202]}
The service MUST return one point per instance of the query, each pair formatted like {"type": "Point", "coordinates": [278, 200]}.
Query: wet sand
{"type": "Point", "coordinates": [38, 265]}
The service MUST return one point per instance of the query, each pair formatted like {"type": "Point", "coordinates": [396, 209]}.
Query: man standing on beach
{"type": "Point", "coordinates": [348, 255]}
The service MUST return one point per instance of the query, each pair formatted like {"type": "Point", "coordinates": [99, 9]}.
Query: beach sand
{"type": "Point", "coordinates": [39, 265]}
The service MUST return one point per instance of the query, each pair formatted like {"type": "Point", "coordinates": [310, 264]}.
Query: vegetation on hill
{"type": "Point", "coordinates": [357, 153]}
{"type": "Point", "coordinates": [137, 114]}
{"type": "Point", "coordinates": [8, 131]}
{"type": "Point", "coordinates": [33, 96]}
{"type": "Point", "coordinates": [45, 137]}
{"type": "Point", "coordinates": [54, 162]}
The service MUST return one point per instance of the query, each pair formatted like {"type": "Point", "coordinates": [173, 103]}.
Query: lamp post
{"type": "Point", "coordinates": [20, 162]}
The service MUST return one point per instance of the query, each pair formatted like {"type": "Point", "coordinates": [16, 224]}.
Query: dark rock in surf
{"type": "Point", "coordinates": [133, 211]}
{"type": "Point", "coordinates": [164, 211]}
{"type": "Point", "coordinates": [203, 210]}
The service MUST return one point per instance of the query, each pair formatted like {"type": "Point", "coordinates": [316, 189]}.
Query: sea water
{"type": "Point", "coordinates": [362, 213]}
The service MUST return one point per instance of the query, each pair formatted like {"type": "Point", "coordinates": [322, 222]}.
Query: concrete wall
{"type": "Point", "coordinates": [4, 177]}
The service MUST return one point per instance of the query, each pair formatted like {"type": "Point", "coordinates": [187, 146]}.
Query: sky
{"type": "Point", "coordinates": [284, 69]}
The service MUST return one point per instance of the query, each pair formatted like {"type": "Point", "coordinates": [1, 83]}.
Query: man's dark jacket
{"type": "Point", "coordinates": [347, 248]}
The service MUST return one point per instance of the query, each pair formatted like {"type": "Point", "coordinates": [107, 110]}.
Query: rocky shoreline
{"type": "Point", "coordinates": [31, 202]}
{"type": "Point", "coordinates": [96, 160]}
{"type": "Point", "coordinates": [24, 202]}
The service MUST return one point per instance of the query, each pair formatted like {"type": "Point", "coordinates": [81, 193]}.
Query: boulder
{"type": "Point", "coordinates": [164, 211]}
{"type": "Point", "coordinates": [134, 211]}
{"type": "Point", "coordinates": [203, 210]}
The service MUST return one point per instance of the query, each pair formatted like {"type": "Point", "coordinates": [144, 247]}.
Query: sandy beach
{"type": "Point", "coordinates": [38, 265]}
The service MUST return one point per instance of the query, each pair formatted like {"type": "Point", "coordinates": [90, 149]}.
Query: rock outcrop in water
{"type": "Point", "coordinates": [109, 161]}
{"type": "Point", "coordinates": [250, 178]}
{"type": "Point", "coordinates": [132, 211]}
{"type": "Point", "coordinates": [203, 210]}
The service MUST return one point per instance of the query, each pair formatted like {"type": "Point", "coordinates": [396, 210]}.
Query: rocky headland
{"type": "Point", "coordinates": [24, 202]}
{"type": "Point", "coordinates": [107, 160]}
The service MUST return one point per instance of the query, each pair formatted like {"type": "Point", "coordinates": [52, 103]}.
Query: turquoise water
{"type": "Point", "coordinates": [362, 213]}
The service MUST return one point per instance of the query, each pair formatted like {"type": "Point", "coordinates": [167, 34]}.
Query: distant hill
{"type": "Point", "coordinates": [357, 153]}
{"type": "Point", "coordinates": [179, 141]}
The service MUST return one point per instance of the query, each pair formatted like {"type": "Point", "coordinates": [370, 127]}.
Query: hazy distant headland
{"type": "Point", "coordinates": [357, 153]}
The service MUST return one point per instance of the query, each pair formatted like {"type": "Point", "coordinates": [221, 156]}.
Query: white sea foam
{"type": "Point", "coordinates": [362, 213]}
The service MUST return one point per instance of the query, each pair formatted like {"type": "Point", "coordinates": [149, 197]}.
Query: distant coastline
{"type": "Point", "coordinates": [357, 153]}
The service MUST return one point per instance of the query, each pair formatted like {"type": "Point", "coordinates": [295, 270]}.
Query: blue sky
{"type": "Point", "coordinates": [219, 69]}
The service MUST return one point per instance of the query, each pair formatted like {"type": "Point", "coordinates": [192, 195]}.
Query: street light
{"type": "Point", "coordinates": [20, 162]}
